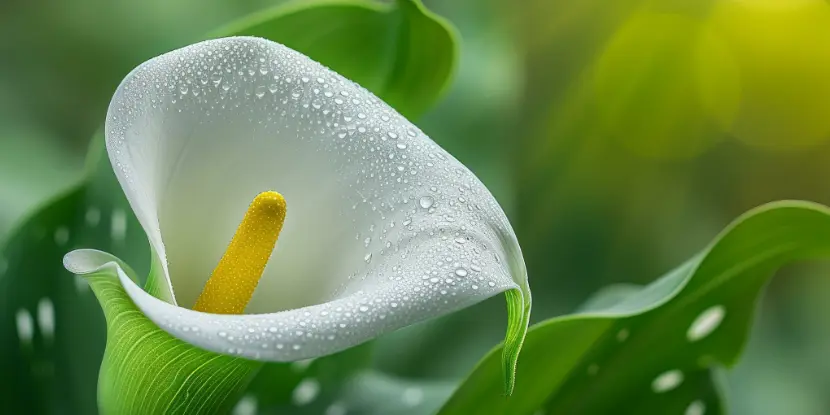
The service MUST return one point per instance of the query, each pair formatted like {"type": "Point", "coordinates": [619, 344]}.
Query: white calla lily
{"type": "Point", "coordinates": [383, 228]}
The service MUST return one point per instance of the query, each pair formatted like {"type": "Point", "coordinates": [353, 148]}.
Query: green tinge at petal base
{"type": "Point", "coordinates": [147, 371]}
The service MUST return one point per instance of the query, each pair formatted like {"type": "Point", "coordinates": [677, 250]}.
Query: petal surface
{"type": "Point", "coordinates": [384, 228]}
{"type": "Point", "coordinates": [309, 332]}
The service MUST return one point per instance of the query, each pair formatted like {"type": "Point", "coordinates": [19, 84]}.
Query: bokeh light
{"type": "Point", "coordinates": [782, 49]}
{"type": "Point", "coordinates": [666, 85]}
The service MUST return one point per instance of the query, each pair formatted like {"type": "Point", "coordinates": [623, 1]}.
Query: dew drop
{"type": "Point", "coordinates": [426, 202]}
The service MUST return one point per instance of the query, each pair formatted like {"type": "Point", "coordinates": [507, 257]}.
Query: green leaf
{"type": "Point", "coordinates": [655, 349]}
{"type": "Point", "coordinates": [400, 51]}
{"type": "Point", "coordinates": [52, 332]}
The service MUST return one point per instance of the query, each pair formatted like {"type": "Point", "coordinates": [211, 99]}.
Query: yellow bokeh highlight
{"type": "Point", "coordinates": [783, 50]}
{"type": "Point", "coordinates": [666, 86]}
{"type": "Point", "coordinates": [234, 280]}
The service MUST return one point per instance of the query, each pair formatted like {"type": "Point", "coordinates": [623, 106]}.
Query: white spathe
{"type": "Point", "coordinates": [384, 228]}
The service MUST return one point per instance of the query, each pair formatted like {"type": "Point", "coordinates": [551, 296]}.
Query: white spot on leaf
{"type": "Point", "coordinates": [246, 406]}
{"type": "Point", "coordinates": [305, 392]}
{"type": "Point", "coordinates": [336, 408]}
{"type": "Point", "coordinates": [667, 381]}
{"type": "Point", "coordinates": [412, 396]}
{"type": "Point", "coordinates": [25, 326]}
{"type": "Point", "coordinates": [622, 335]}
{"type": "Point", "coordinates": [93, 216]}
{"type": "Point", "coordinates": [696, 408]}
{"type": "Point", "coordinates": [61, 235]}
{"type": "Point", "coordinates": [706, 323]}
{"type": "Point", "coordinates": [46, 317]}
{"type": "Point", "coordinates": [118, 225]}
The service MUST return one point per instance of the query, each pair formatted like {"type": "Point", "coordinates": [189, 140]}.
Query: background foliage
{"type": "Point", "coordinates": [620, 136]}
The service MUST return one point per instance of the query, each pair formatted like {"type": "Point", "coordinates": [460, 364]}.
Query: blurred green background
{"type": "Point", "coordinates": [619, 135]}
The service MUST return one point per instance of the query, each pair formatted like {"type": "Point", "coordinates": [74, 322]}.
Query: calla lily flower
{"type": "Point", "coordinates": [378, 226]}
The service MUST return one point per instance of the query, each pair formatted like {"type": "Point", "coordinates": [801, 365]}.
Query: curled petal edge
{"type": "Point", "coordinates": [295, 334]}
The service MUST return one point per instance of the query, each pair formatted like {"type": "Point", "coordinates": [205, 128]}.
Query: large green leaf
{"type": "Point", "coordinates": [399, 50]}
{"type": "Point", "coordinates": [52, 332]}
{"type": "Point", "coordinates": [655, 349]}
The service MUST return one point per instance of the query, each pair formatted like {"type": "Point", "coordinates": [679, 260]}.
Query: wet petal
{"type": "Point", "coordinates": [384, 228]}
{"type": "Point", "coordinates": [295, 334]}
